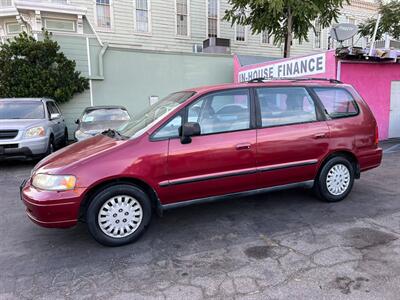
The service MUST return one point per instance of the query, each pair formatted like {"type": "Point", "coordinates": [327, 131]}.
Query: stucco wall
{"type": "Point", "coordinates": [131, 77]}
{"type": "Point", "coordinates": [373, 82]}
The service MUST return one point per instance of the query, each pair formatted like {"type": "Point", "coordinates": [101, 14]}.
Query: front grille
{"type": "Point", "coordinates": [9, 146]}
{"type": "Point", "coordinates": [8, 134]}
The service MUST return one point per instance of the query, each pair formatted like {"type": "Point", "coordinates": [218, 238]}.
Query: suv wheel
{"type": "Point", "coordinates": [118, 215]}
{"type": "Point", "coordinates": [65, 138]}
{"type": "Point", "coordinates": [51, 146]}
{"type": "Point", "coordinates": [335, 180]}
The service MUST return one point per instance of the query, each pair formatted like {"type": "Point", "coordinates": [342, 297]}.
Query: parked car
{"type": "Point", "coordinates": [96, 119]}
{"type": "Point", "coordinates": [30, 127]}
{"type": "Point", "coordinates": [203, 145]}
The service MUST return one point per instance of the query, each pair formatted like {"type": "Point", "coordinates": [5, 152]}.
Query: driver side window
{"type": "Point", "coordinates": [222, 112]}
{"type": "Point", "coordinates": [170, 129]}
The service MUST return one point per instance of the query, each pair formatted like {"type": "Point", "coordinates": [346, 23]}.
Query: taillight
{"type": "Point", "coordinates": [376, 142]}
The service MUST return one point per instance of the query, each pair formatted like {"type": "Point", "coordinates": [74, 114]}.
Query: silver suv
{"type": "Point", "coordinates": [30, 127]}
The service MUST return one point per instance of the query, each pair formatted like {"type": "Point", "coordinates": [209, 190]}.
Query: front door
{"type": "Point", "coordinates": [222, 159]}
{"type": "Point", "coordinates": [394, 118]}
{"type": "Point", "coordinates": [293, 136]}
{"type": "Point", "coordinates": [58, 123]}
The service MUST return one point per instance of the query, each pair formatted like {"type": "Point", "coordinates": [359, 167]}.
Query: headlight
{"type": "Point", "coordinates": [35, 131]}
{"type": "Point", "coordinates": [79, 135]}
{"type": "Point", "coordinates": [54, 182]}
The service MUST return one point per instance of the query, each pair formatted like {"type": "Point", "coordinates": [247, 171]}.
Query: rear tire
{"type": "Point", "coordinates": [335, 180]}
{"type": "Point", "coordinates": [118, 215]}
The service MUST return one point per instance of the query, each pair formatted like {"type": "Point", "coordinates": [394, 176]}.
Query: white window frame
{"type": "Point", "coordinates": [351, 41]}
{"type": "Point", "coordinates": [61, 20]}
{"type": "Point", "coordinates": [218, 18]}
{"type": "Point", "coordinates": [321, 46]}
{"type": "Point", "coordinates": [104, 29]}
{"type": "Point", "coordinates": [149, 27]}
{"type": "Point", "coordinates": [270, 39]}
{"type": "Point", "coordinates": [245, 34]}
{"type": "Point", "coordinates": [7, 28]}
{"type": "Point", "coordinates": [7, 6]}
{"type": "Point", "coordinates": [188, 21]}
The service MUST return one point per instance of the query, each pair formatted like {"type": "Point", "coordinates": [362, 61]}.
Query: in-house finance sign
{"type": "Point", "coordinates": [299, 67]}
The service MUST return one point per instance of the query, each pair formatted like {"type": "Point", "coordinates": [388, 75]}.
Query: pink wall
{"type": "Point", "coordinates": [373, 82]}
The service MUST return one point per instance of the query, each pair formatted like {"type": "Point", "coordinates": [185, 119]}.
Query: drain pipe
{"type": "Point", "coordinates": [378, 20]}
{"type": "Point", "coordinates": [101, 61]}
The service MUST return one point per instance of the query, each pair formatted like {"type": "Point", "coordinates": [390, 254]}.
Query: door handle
{"type": "Point", "coordinates": [320, 136]}
{"type": "Point", "coordinates": [244, 146]}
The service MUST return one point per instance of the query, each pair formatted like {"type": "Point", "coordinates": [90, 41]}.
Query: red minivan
{"type": "Point", "coordinates": [206, 144]}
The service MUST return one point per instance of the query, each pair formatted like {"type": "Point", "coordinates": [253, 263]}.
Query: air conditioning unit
{"type": "Point", "coordinates": [197, 48]}
{"type": "Point", "coordinates": [217, 45]}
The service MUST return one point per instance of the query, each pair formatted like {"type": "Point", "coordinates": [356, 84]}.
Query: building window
{"type": "Point", "coordinates": [182, 17]}
{"type": "Point", "coordinates": [13, 28]}
{"type": "Point", "coordinates": [59, 25]}
{"type": "Point", "coordinates": [5, 3]}
{"type": "Point", "coordinates": [103, 13]}
{"type": "Point", "coordinates": [212, 18]}
{"type": "Point", "coordinates": [265, 37]}
{"type": "Point", "coordinates": [142, 15]}
{"type": "Point", "coordinates": [318, 35]}
{"type": "Point", "coordinates": [240, 33]}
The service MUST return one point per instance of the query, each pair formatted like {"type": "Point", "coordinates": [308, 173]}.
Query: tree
{"type": "Point", "coordinates": [389, 23]}
{"type": "Point", "coordinates": [32, 68]}
{"type": "Point", "coordinates": [284, 18]}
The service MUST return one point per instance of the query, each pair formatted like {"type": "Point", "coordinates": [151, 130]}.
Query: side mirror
{"type": "Point", "coordinates": [54, 116]}
{"type": "Point", "coordinates": [188, 130]}
{"type": "Point", "coordinates": [77, 121]}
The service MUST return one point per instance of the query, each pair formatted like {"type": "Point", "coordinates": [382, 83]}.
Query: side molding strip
{"type": "Point", "coordinates": [238, 173]}
{"type": "Point", "coordinates": [306, 184]}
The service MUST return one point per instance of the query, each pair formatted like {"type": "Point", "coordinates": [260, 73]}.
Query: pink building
{"type": "Point", "coordinates": [377, 79]}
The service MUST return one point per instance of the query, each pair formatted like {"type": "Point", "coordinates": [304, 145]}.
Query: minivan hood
{"type": "Point", "coordinates": [76, 153]}
{"type": "Point", "coordinates": [19, 124]}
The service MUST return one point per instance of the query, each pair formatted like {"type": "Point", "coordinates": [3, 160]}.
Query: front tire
{"type": "Point", "coordinates": [335, 180]}
{"type": "Point", "coordinates": [64, 141]}
{"type": "Point", "coordinates": [51, 146]}
{"type": "Point", "coordinates": [118, 215]}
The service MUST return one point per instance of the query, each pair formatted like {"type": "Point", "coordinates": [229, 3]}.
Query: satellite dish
{"type": "Point", "coordinates": [343, 31]}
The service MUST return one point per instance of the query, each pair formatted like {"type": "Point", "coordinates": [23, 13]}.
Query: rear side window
{"type": "Point", "coordinates": [286, 105]}
{"type": "Point", "coordinates": [338, 102]}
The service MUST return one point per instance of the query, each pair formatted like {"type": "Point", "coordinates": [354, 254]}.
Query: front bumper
{"type": "Point", "coordinates": [50, 208]}
{"type": "Point", "coordinates": [23, 148]}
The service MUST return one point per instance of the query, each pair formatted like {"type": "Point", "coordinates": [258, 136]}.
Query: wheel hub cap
{"type": "Point", "coordinates": [120, 216]}
{"type": "Point", "coordinates": [338, 179]}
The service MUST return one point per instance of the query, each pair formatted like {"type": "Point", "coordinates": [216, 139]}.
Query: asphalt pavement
{"type": "Point", "coordinates": [283, 245]}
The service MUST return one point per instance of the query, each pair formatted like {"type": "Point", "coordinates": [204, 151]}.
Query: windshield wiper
{"type": "Point", "coordinates": [112, 133]}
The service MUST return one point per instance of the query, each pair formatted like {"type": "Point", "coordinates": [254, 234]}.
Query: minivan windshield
{"type": "Point", "coordinates": [21, 110]}
{"type": "Point", "coordinates": [145, 119]}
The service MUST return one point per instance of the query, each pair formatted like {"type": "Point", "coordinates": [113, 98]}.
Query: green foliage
{"type": "Point", "coordinates": [32, 68]}
{"type": "Point", "coordinates": [274, 16]}
{"type": "Point", "coordinates": [390, 21]}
